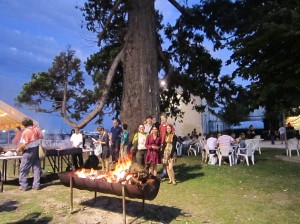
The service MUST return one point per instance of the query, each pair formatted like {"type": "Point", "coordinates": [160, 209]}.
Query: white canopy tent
{"type": "Point", "coordinates": [294, 121]}
{"type": "Point", "coordinates": [10, 117]}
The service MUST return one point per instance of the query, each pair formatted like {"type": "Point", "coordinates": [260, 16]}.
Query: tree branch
{"type": "Point", "coordinates": [167, 64]}
{"type": "Point", "coordinates": [179, 7]}
{"type": "Point", "coordinates": [64, 102]}
{"type": "Point", "coordinates": [113, 10]}
{"type": "Point", "coordinates": [102, 100]}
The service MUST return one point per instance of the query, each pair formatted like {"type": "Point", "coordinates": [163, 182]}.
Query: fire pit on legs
{"type": "Point", "coordinates": [120, 182]}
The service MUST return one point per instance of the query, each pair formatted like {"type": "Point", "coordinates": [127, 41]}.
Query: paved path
{"type": "Point", "coordinates": [278, 145]}
{"type": "Point", "coordinates": [267, 144]}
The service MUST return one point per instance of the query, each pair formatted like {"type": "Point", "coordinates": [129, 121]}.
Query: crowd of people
{"type": "Point", "coordinates": [154, 143]}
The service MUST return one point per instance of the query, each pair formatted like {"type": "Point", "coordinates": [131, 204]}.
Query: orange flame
{"type": "Point", "coordinates": [119, 174]}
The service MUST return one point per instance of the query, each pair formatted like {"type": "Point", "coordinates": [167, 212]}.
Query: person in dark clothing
{"type": "Point", "coordinates": [250, 132]}
{"type": "Point", "coordinates": [115, 140]}
{"type": "Point", "coordinates": [290, 131]}
{"type": "Point", "coordinates": [272, 134]}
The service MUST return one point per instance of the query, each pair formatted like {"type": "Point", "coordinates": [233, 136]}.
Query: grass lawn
{"type": "Point", "coordinates": [267, 192]}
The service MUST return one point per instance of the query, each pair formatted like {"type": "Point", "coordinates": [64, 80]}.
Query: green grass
{"type": "Point", "coordinates": [267, 192]}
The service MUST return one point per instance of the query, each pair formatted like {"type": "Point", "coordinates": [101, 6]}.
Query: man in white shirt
{"type": "Point", "coordinates": [281, 131]}
{"type": "Point", "coordinates": [76, 140]}
{"type": "Point", "coordinates": [211, 143]}
{"type": "Point", "coordinates": [148, 125]}
{"type": "Point", "coordinates": [225, 140]}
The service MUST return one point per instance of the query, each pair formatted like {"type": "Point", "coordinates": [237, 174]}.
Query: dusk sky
{"type": "Point", "coordinates": [33, 32]}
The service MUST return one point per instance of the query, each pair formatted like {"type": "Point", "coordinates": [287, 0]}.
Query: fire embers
{"type": "Point", "coordinates": [121, 174]}
{"type": "Point", "coordinates": [123, 177]}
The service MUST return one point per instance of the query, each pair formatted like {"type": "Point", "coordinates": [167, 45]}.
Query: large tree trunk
{"type": "Point", "coordinates": [141, 84]}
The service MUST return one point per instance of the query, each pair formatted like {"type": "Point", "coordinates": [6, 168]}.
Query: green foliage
{"type": "Point", "coordinates": [237, 109]}
{"type": "Point", "coordinates": [264, 38]}
{"type": "Point", "coordinates": [195, 70]}
{"type": "Point", "coordinates": [46, 90]}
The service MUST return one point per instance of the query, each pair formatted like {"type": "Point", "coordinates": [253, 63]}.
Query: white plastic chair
{"type": "Point", "coordinates": [205, 154]}
{"type": "Point", "coordinates": [179, 148]}
{"type": "Point", "coordinates": [192, 149]}
{"type": "Point", "coordinates": [292, 144]}
{"type": "Point", "coordinates": [247, 141]}
{"type": "Point", "coordinates": [225, 151]}
{"type": "Point", "coordinates": [256, 142]}
{"type": "Point", "coordinates": [200, 146]}
{"type": "Point", "coordinates": [246, 152]}
{"type": "Point", "coordinates": [209, 157]}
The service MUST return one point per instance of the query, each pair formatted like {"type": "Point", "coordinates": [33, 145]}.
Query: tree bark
{"type": "Point", "coordinates": [141, 84]}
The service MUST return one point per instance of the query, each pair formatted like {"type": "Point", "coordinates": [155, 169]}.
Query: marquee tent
{"type": "Point", "coordinates": [10, 117]}
{"type": "Point", "coordinates": [294, 121]}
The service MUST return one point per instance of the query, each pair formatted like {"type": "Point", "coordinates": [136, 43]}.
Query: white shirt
{"type": "Point", "coordinates": [211, 143]}
{"type": "Point", "coordinates": [281, 130]}
{"type": "Point", "coordinates": [141, 141]}
{"type": "Point", "coordinates": [148, 128]}
{"type": "Point", "coordinates": [225, 140]}
{"type": "Point", "coordinates": [76, 140]}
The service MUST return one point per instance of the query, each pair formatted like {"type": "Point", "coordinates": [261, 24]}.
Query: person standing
{"type": "Point", "coordinates": [155, 123]}
{"type": "Point", "coordinates": [30, 157]}
{"type": "Point", "coordinates": [17, 137]}
{"type": "Point", "coordinates": [115, 140]}
{"type": "Point", "coordinates": [76, 141]}
{"type": "Point", "coordinates": [272, 134]}
{"type": "Point", "coordinates": [124, 141]}
{"type": "Point", "coordinates": [139, 143]}
{"type": "Point", "coordinates": [83, 139]}
{"type": "Point", "coordinates": [104, 141]}
{"type": "Point", "coordinates": [169, 147]}
{"type": "Point", "coordinates": [290, 131]}
{"type": "Point", "coordinates": [251, 132]}
{"type": "Point", "coordinates": [148, 124]}
{"type": "Point", "coordinates": [163, 126]}
{"type": "Point", "coordinates": [153, 144]}
{"type": "Point", "coordinates": [194, 133]}
{"type": "Point", "coordinates": [162, 133]}
{"type": "Point", "coordinates": [281, 131]}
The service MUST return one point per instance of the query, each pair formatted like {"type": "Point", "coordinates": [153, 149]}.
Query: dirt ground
{"type": "Point", "coordinates": [294, 159]}
{"type": "Point", "coordinates": [105, 209]}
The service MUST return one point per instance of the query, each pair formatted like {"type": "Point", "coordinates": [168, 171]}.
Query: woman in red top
{"type": "Point", "coordinates": [153, 144]}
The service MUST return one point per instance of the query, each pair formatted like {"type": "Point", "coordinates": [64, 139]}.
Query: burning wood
{"type": "Point", "coordinates": [137, 183]}
{"type": "Point", "coordinates": [121, 174]}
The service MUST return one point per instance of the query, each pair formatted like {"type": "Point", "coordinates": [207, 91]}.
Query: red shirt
{"type": "Point", "coordinates": [163, 130]}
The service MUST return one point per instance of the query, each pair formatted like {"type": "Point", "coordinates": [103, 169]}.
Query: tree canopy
{"type": "Point", "coordinates": [136, 49]}
{"type": "Point", "coordinates": [264, 39]}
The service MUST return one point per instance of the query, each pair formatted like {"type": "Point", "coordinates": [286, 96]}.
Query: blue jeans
{"type": "Point", "coordinates": [272, 139]}
{"type": "Point", "coordinates": [30, 158]}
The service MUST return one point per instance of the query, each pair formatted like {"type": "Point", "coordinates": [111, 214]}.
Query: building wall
{"type": "Point", "coordinates": [204, 122]}
{"type": "Point", "coordinates": [191, 119]}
